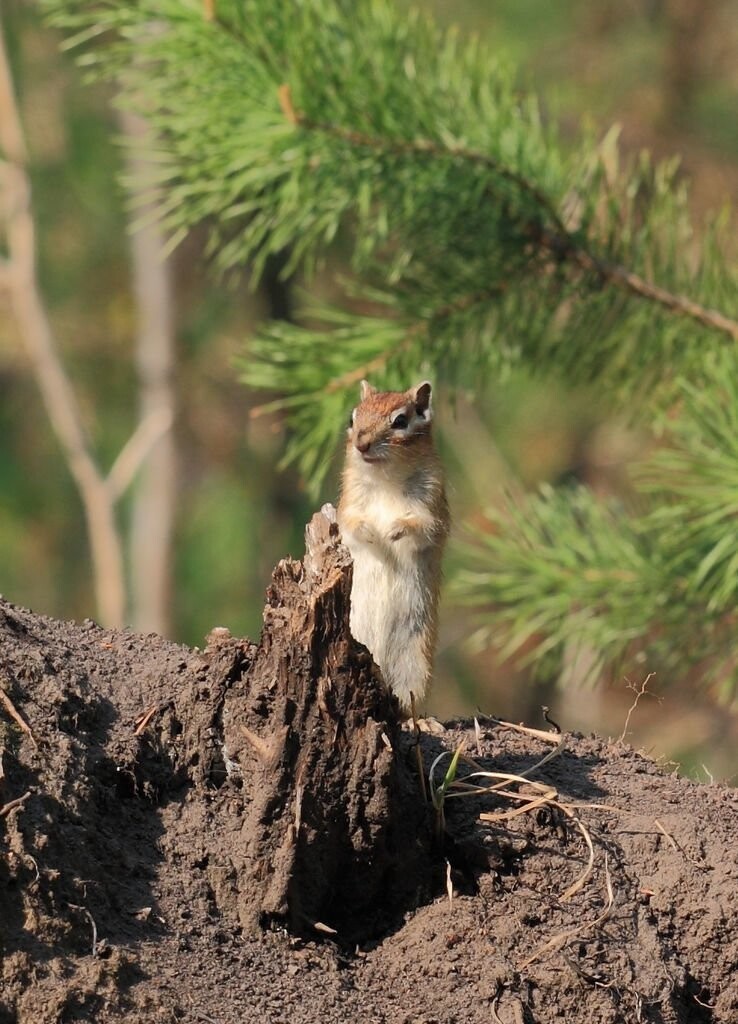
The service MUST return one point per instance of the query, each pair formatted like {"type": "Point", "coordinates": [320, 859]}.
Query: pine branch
{"type": "Point", "coordinates": [625, 279]}
{"type": "Point", "coordinates": [563, 571]}
{"type": "Point", "coordinates": [658, 580]}
{"type": "Point", "coordinates": [562, 244]}
{"type": "Point", "coordinates": [441, 192]}
{"type": "Point", "coordinates": [480, 243]}
{"type": "Point", "coordinates": [423, 147]}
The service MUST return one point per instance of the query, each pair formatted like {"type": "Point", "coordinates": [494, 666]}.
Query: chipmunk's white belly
{"type": "Point", "coordinates": [391, 607]}
{"type": "Point", "coordinates": [386, 596]}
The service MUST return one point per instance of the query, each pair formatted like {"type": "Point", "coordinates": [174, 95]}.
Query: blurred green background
{"type": "Point", "coordinates": [665, 70]}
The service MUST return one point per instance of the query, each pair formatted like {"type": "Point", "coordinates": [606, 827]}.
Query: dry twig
{"type": "Point", "coordinates": [638, 694]}
{"type": "Point", "coordinates": [539, 734]}
{"type": "Point", "coordinates": [144, 719]}
{"type": "Point", "coordinates": [13, 805]}
{"type": "Point", "coordinates": [16, 716]}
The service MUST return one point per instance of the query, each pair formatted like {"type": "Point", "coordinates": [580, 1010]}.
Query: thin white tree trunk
{"type": "Point", "coordinates": [20, 278]}
{"type": "Point", "coordinates": [154, 501]}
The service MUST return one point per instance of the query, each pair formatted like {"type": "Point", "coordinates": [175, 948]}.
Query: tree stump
{"type": "Point", "coordinates": [276, 774]}
{"type": "Point", "coordinates": [335, 835]}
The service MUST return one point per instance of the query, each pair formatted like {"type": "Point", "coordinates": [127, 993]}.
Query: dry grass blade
{"type": "Point", "coordinates": [463, 787]}
{"type": "Point", "coordinates": [530, 805]}
{"type": "Point", "coordinates": [93, 926]}
{"type": "Point", "coordinates": [669, 838]}
{"type": "Point", "coordinates": [495, 1015]}
{"type": "Point", "coordinates": [144, 720]}
{"type": "Point", "coordinates": [585, 875]}
{"type": "Point", "coordinates": [527, 771]}
{"type": "Point", "coordinates": [478, 736]}
{"type": "Point", "coordinates": [558, 749]}
{"type": "Point", "coordinates": [677, 847]}
{"type": "Point", "coordinates": [542, 795]}
{"type": "Point", "coordinates": [597, 807]}
{"type": "Point", "coordinates": [547, 798]}
{"type": "Point", "coordinates": [508, 786]}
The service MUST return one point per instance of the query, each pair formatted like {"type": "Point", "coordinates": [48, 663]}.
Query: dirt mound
{"type": "Point", "coordinates": [129, 833]}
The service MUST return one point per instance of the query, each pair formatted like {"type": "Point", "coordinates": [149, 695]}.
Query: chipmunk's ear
{"type": "Point", "coordinates": [366, 389]}
{"type": "Point", "coordinates": [421, 396]}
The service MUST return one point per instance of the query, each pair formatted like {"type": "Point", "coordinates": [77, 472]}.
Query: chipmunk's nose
{"type": "Point", "coordinates": [362, 444]}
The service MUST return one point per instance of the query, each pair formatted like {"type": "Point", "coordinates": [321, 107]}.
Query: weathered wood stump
{"type": "Point", "coordinates": [336, 832]}
{"type": "Point", "coordinates": [280, 768]}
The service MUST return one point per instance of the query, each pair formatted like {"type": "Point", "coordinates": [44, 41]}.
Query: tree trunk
{"type": "Point", "coordinates": [153, 509]}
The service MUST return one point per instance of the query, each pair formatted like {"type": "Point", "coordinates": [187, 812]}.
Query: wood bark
{"type": "Point", "coordinates": [336, 833]}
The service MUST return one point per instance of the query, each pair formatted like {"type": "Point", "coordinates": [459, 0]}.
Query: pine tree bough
{"type": "Point", "coordinates": [559, 242]}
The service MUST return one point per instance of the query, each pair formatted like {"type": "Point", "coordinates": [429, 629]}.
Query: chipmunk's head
{"type": "Point", "coordinates": [387, 423]}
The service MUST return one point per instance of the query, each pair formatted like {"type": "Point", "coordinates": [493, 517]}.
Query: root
{"type": "Point", "coordinates": [562, 938]}
{"type": "Point", "coordinates": [16, 715]}
{"type": "Point", "coordinates": [13, 805]}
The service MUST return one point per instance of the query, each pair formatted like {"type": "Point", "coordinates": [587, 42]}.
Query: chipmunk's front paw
{"type": "Point", "coordinates": [398, 530]}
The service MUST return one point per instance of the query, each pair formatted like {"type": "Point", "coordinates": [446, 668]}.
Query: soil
{"type": "Point", "coordinates": [127, 867]}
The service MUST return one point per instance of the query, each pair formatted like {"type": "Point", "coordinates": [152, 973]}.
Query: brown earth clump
{"type": "Point", "coordinates": [239, 834]}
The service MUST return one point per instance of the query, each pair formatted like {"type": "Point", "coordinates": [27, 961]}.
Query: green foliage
{"type": "Point", "coordinates": [455, 198]}
{"type": "Point", "coordinates": [478, 242]}
{"type": "Point", "coordinates": [568, 573]}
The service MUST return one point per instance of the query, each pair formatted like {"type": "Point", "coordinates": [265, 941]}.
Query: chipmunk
{"type": "Point", "coordinates": [394, 519]}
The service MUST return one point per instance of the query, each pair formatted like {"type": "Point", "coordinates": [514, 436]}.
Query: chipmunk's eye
{"type": "Point", "coordinates": [351, 418]}
{"type": "Point", "coordinates": [399, 422]}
